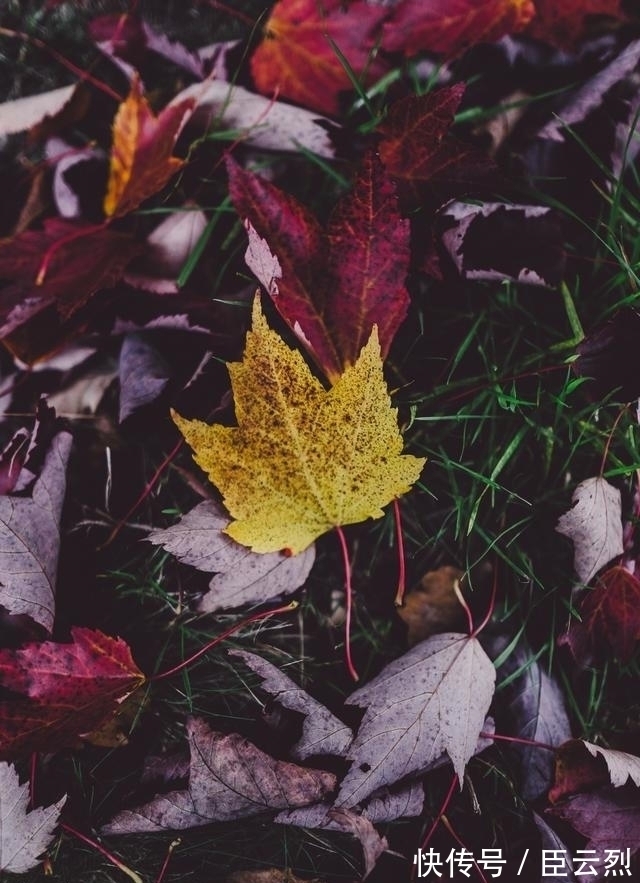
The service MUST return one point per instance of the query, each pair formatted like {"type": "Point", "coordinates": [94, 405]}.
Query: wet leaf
{"type": "Point", "coordinates": [594, 525]}
{"type": "Point", "coordinates": [242, 577]}
{"type": "Point", "coordinates": [24, 835]}
{"type": "Point", "coordinates": [302, 460]}
{"type": "Point", "coordinates": [229, 779]}
{"type": "Point", "coordinates": [431, 701]}
{"type": "Point", "coordinates": [66, 690]}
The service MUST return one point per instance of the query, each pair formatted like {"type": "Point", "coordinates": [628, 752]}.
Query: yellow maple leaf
{"type": "Point", "coordinates": [302, 459]}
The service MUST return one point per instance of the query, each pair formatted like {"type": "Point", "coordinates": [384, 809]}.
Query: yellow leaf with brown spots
{"type": "Point", "coordinates": [302, 459]}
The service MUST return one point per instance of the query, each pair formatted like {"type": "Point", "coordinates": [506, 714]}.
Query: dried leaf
{"type": "Point", "coordinates": [621, 766]}
{"type": "Point", "coordinates": [242, 577]}
{"type": "Point", "coordinates": [450, 26]}
{"type": "Point", "coordinates": [298, 58]}
{"type": "Point", "coordinates": [272, 875]}
{"type": "Point", "coordinates": [322, 731]}
{"type": "Point", "coordinates": [610, 614]}
{"type": "Point", "coordinates": [30, 540]}
{"type": "Point", "coordinates": [23, 835]}
{"type": "Point", "coordinates": [432, 606]}
{"type": "Point", "coordinates": [580, 767]}
{"type": "Point", "coordinates": [141, 155]}
{"type": "Point", "coordinates": [229, 779]}
{"type": "Point", "coordinates": [258, 120]}
{"type": "Point", "coordinates": [68, 689]}
{"type": "Point", "coordinates": [143, 374]}
{"type": "Point", "coordinates": [550, 840]}
{"type": "Point", "coordinates": [303, 460]}
{"type": "Point", "coordinates": [608, 819]}
{"type": "Point", "coordinates": [594, 525]}
{"type": "Point", "coordinates": [431, 701]}
{"type": "Point", "coordinates": [23, 113]}
{"type": "Point", "coordinates": [330, 286]}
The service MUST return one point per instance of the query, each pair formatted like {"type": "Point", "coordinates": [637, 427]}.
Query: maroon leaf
{"type": "Point", "coordinates": [330, 287]}
{"type": "Point", "coordinates": [68, 690]}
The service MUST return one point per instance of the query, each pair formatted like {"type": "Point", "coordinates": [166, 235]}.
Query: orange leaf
{"type": "Point", "coordinates": [297, 58]}
{"type": "Point", "coordinates": [141, 161]}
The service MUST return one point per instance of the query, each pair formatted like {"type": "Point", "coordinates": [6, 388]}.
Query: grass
{"type": "Point", "coordinates": [484, 384]}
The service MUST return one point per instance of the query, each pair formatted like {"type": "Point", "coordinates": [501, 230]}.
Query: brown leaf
{"type": "Point", "coordinates": [432, 606]}
{"type": "Point", "coordinates": [229, 779]}
{"type": "Point", "coordinates": [567, 23]}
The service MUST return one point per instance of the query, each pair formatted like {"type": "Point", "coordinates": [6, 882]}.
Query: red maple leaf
{"type": "Point", "coordinates": [306, 44]}
{"type": "Point", "coordinates": [67, 690]}
{"type": "Point", "coordinates": [450, 26]}
{"type": "Point", "coordinates": [330, 286]}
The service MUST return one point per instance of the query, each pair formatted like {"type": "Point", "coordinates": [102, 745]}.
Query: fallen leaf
{"type": "Point", "coordinates": [496, 241]}
{"type": "Point", "coordinates": [322, 731]}
{"type": "Point", "coordinates": [594, 525]}
{"type": "Point", "coordinates": [304, 44]}
{"type": "Point", "coordinates": [621, 765]}
{"type": "Point", "coordinates": [23, 835]}
{"type": "Point", "coordinates": [229, 779]}
{"type": "Point", "coordinates": [610, 613]}
{"type": "Point", "coordinates": [330, 286]}
{"type": "Point", "coordinates": [257, 120]}
{"type": "Point", "coordinates": [566, 24]}
{"type": "Point", "coordinates": [532, 706]}
{"type": "Point", "coordinates": [302, 460]}
{"type": "Point", "coordinates": [141, 160]}
{"type": "Point", "coordinates": [30, 540]}
{"type": "Point", "coordinates": [550, 840]}
{"type": "Point", "coordinates": [60, 266]}
{"type": "Point", "coordinates": [431, 701]}
{"type": "Point", "coordinates": [609, 820]}
{"type": "Point", "coordinates": [67, 690]}
{"type": "Point", "coordinates": [334, 819]}
{"type": "Point", "coordinates": [448, 27]}
{"type": "Point", "coordinates": [143, 374]}
{"type": "Point", "coordinates": [271, 875]}
{"type": "Point", "coordinates": [242, 577]}
{"type": "Point", "coordinates": [433, 606]}
{"type": "Point", "coordinates": [24, 113]}
{"type": "Point", "coordinates": [580, 767]}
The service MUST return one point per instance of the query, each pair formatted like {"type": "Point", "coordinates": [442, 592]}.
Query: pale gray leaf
{"type": "Point", "coordinates": [143, 374]}
{"type": "Point", "coordinates": [23, 113]}
{"type": "Point", "coordinates": [229, 779]}
{"type": "Point", "coordinates": [23, 835]}
{"type": "Point", "coordinates": [594, 525]}
{"type": "Point", "coordinates": [30, 539]}
{"type": "Point", "coordinates": [388, 804]}
{"type": "Point", "coordinates": [259, 120]}
{"type": "Point", "coordinates": [322, 731]}
{"type": "Point", "coordinates": [242, 576]}
{"type": "Point", "coordinates": [621, 765]}
{"type": "Point", "coordinates": [431, 701]}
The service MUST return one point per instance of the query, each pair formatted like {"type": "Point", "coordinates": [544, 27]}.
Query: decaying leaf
{"type": "Point", "coordinates": [30, 540]}
{"type": "Point", "coordinates": [431, 701]}
{"type": "Point", "coordinates": [621, 765]}
{"type": "Point", "coordinates": [272, 875]}
{"type": "Point", "coordinates": [24, 835]}
{"type": "Point", "coordinates": [608, 819]}
{"type": "Point", "coordinates": [331, 286]}
{"type": "Point", "coordinates": [450, 26]}
{"type": "Point", "coordinates": [610, 614]}
{"type": "Point", "coordinates": [305, 42]}
{"type": "Point", "coordinates": [241, 576]}
{"type": "Point", "coordinates": [594, 525]}
{"type": "Point", "coordinates": [432, 606]}
{"type": "Point", "coordinates": [302, 460]}
{"type": "Point", "coordinates": [143, 374]}
{"type": "Point", "coordinates": [322, 731]}
{"type": "Point", "coordinates": [582, 766]}
{"type": "Point", "coordinates": [229, 779]}
{"type": "Point", "coordinates": [141, 155]}
{"type": "Point", "coordinates": [23, 113]}
{"type": "Point", "coordinates": [565, 24]}
{"type": "Point", "coordinates": [66, 690]}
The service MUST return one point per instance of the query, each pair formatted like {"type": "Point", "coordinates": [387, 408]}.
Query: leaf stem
{"type": "Point", "coordinates": [349, 603]}
{"type": "Point", "coordinates": [165, 863]}
{"type": "Point", "coordinates": [264, 614]}
{"type": "Point", "coordinates": [439, 815]}
{"type": "Point", "coordinates": [492, 604]}
{"type": "Point", "coordinates": [460, 842]}
{"type": "Point", "coordinates": [519, 740]}
{"type": "Point", "coordinates": [105, 852]}
{"type": "Point", "coordinates": [399, 599]}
